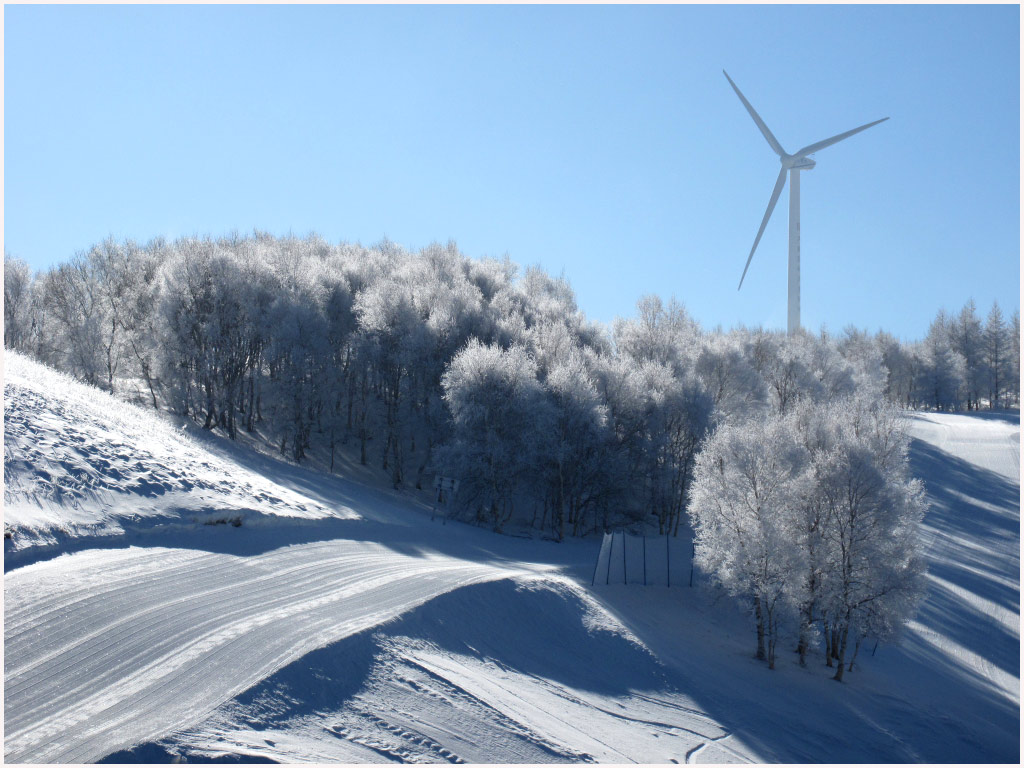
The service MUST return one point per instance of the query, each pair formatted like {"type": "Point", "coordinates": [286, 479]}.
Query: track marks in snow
{"type": "Point", "coordinates": [448, 682]}
{"type": "Point", "coordinates": [714, 751]}
{"type": "Point", "coordinates": [109, 670]}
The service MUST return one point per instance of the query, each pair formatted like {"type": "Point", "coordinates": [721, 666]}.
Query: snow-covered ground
{"type": "Point", "coordinates": [347, 626]}
{"type": "Point", "coordinates": [79, 463]}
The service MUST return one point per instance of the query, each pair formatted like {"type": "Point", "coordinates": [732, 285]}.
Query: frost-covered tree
{"type": "Point", "coordinates": [659, 334]}
{"type": "Point", "coordinates": [18, 310]}
{"type": "Point", "coordinates": [502, 424]}
{"type": "Point", "coordinates": [864, 355]}
{"type": "Point", "coordinates": [728, 376]}
{"type": "Point", "coordinates": [745, 509]}
{"type": "Point", "coordinates": [942, 375]}
{"type": "Point", "coordinates": [813, 515]}
{"type": "Point", "coordinates": [1013, 383]}
{"type": "Point", "coordinates": [677, 418]}
{"type": "Point", "coordinates": [299, 356]}
{"type": "Point", "coordinates": [902, 368]}
{"type": "Point", "coordinates": [787, 366]}
{"type": "Point", "coordinates": [966, 337]}
{"type": "Point", "coordinates": [996, 355]}
{"type": "Point", "coordinates": [388, 318]}
{"type": "Point", "coordinates": [870, 513]}
{"type": "Point", "coordinates": [208, 311]}
{"type": "Point", "coordinates": [81, 337]}
{"type": "Point", "coordinates": [581, 472]}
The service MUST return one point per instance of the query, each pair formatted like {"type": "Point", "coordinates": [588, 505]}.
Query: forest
{"type": "Point", "coordinates": [786, 456]}
{"type": "Point", "coordinates": [432, 363]}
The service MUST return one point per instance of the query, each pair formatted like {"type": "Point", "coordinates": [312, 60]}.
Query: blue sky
{"type": "Point", "coordinates": [602, 142]}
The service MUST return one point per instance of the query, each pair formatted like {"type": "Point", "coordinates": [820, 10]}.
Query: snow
{"type": "Point", "coordinates": [80, 463]}
{"type": "Point", "coordinates": [337, 623]}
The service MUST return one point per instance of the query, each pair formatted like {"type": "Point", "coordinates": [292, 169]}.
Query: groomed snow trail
{"type": "Point", "coordinates": [523, 670]}
{"type": "Point", "coordinates": [105, 649]}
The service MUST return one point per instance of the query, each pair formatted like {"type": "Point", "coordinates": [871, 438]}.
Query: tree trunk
{"type": "Point", "coordinates": [856, 649]}
{"type": "Point", "coordinates": [211, 413]}
{"type": "Point", "coordinates": [828, 644]}
{"type": "Point", "coordinates": [250, 417]}
{"type": "Point", "coordinates": [840, 666]}
{"type": "Point", "coordinates": [561, 504]}
{"type": "Point", "coordinates": [801, 647]}
{"type": "Point", "coordinates": [760, 629]}
{"type": "Point", "coordinates": [362, 421]}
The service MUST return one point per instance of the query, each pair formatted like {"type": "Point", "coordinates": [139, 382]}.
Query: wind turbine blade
{"type": "Point", "coordinates": [779, 184]}
{"type": "Point", "coordinates": [757, 119]}
{"type": "Point", "coordinates": [829, 142]}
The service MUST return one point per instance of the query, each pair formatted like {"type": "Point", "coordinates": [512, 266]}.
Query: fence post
{"type": "Point", "coordinates": [597, 562]}
{"type": "Point", "coordinates": [611, 544]}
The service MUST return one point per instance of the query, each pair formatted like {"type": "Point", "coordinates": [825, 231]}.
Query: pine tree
{"type": "Point", "coordinates": [996, 354]}
{"type": "Point", "coordinates": [966, 335]}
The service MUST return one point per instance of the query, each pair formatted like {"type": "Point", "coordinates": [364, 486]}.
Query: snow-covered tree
{"type": "Point", "coordinates": [581, 472]}
{"type": "Point", "coordinates": [735, 386]}
{"type": "Point", "coordinates": [996, 355]}
{"type": "Point", "coordinates": [660, 334]}
{"type": "Point", "coordinates": [787, 366]}
{"type": "Point", "coordinates": [941, 379]}
{"type": "Point", "coordinates": [502, 422]}
{"type": "Point", "coordinates": [864, 355]}
{"type": "Point", "coordinates": [1013, 383]}
{"type": "Point", "coordinates": [870, 512]}
{"type": "Point", "coordinates": [18, 310]}
{"type": "Point", "coordinates": [81, 337]}
{"type": "Point", "coordinates": [901, 369]}
{"type": "Point", "coordinates": [745, 509]}
{"type": "Point", "coordinates": [966, 337]}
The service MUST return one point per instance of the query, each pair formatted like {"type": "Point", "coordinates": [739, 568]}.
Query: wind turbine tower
{"type": "Point", "coordinates": [799, 161]}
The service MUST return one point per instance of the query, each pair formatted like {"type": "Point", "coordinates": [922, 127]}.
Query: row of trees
{"type": "Point", "coordinates": [429, 362]}
{"type": "Point", "coordinates": [423, 362]}
{"type": "Point", "coordinates": [962, 364]}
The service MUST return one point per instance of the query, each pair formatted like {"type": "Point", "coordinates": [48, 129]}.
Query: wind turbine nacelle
{"type": "Point", "coordinates": [799, 163]}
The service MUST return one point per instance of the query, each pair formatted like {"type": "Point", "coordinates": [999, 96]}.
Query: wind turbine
{"type": "Point", "coordinates": [794, 163]}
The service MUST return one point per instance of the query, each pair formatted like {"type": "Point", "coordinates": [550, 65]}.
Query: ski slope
{"type": "Point", "coordinates": [108, 648]}
{"type": "Point", "coordinates": [170, 624]}
{"type": "Point", "coordinates": [356, 629]}
{"type": "Point", "coordinates": [79, 463]}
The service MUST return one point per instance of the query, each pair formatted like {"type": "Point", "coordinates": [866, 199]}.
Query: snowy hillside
{"type": "Point", "coordinates": [79, 462]}
{"type": "Point", "coordinates": [356, 629]}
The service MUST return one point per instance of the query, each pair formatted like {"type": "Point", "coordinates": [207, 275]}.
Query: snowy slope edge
{"type": "Point", "coordinates": [78, 462]}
